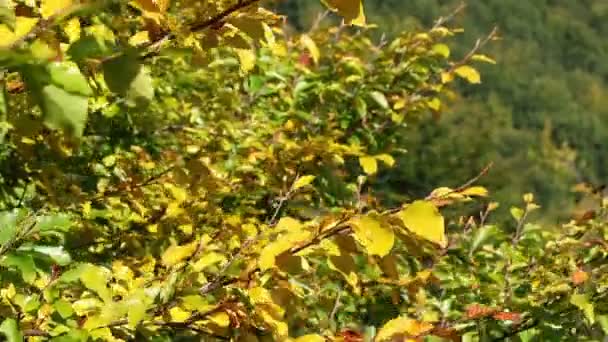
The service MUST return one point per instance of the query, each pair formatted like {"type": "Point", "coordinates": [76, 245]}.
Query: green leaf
{"type": "Point", "coordinates": [125, 76]}
{"type": "Point", "coordinates": [423, 218]}
{"type": "Point", "coordinates": [603, 320]}
{"type": "Point", "coordinates": [64, 308]}
{"type": "Point", "coordinates": [483, 235]}
{"type": "Point", "coordinates": [55, 253]}
{"type": "Point", "coordinates": [67, 76]}
{"type": "Point", "coordinates": [87, 47]}
{"type": "Point", "coordinates": [24, 263]}
{"type": "Point", "coordinates": [377, 238]}
{"type": "Point", "coordinates": [8, 225]}
{"type": "Point", "coordinates": [581, 301]}
{"type": "Point", "coordinates": [57, 222]}
{"type": "Point", "coordinates": [96, 278]}
{"type": "Point", "coordinates": [369, 165]}
{"type": "Point", "coordinates": [10, 329]}
{"type": "Point", "coordinates": [517, 213]}
{"type": "Point", "coordinates": [63, 110]}
{"type": "Point", "coordinates": [380, 99]}
{"type": "Point", "coordinates": [7, 15]}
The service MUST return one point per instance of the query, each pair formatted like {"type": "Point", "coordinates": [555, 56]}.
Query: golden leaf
{"type": "Point", "coordinates": [468, 73]}
{"type": "Point", "coordinates": [369, 165]}
{"type": "Point", "coordinates": [175, 254]}
{"type": "Point", "coordinates": [51, 7]}
{"type": "Point", "coordinates": [377, 238]}
{"type": "Point", "coordinates": [423, 218]}
{"type": "Point", "coordinates": [402, 326]}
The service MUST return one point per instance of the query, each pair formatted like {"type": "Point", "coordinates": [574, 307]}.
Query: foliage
{"type": "Point", "coordinates": [540, 116]}
{"type": "Point", "coordinates": [184, 171]}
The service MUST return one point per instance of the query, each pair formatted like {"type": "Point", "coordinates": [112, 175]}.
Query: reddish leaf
{"type": "Point", "coordinates": [476, 311]}
{"type": "Point", "coordinates": [579, 277]}
{"type": "Point", "coordinates": [507, 316]}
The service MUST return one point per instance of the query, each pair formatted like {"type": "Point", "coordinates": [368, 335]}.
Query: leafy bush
{"type": "Point", "coordinates": [189, 171]}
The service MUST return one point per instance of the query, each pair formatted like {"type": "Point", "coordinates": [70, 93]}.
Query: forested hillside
{"type": "Point", "coordinates": [541, 114]}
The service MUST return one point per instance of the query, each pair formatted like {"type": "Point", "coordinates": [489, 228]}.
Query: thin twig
{"type": "Point", "coordinates": [211, 22]}
{"type": "Point", "coordinates": [337, 305]}
{"type": "Point", "coordinates": [442, 20]}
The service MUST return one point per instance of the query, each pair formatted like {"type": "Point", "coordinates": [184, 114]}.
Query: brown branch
{"type": "Point", "coordinates": [211, 22]}
{"type": "Point", "coordinates": [467, 184]}
{"type": "Point", "coordinates": [449, 17]}
{"type": "Point", "coordinates": [479, 43]}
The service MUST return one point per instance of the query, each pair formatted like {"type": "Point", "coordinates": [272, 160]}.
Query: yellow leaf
{"type": "Point", "coordinates": [400, 104]}
{"type": "Point", "coordinates": [447, 77]}
{"type": "Point", "coordinates": [310, 338]}
{"type": "Point", "coordinates": [155, 6]}
{"type": "Point", "coordinates": [311, 47]}
{"type": "Point", "coordinates": [386, 159]}
{"type": "Point", "coordinates": [221, 319]}
{"type": "Point", "coordinates": [424, 219]}
{"type": "Point", "coordinates": [207, 260]}
{"type": "Point", "coordinates": [178, 314]}
{"type": "Point", "coordinates": [72, 29]}
{"type": "Point", "coordinates": [402, 326]}
{"type": "Point", "coordinates": [468, 73]}
{"type": "Point", "coordinates": [23, 26]}
{"type": "Point", "coordinates": [175, 254]}
{"type": "Point", "coordinates": [288, 224]}
{"type": "Point", "coordinates": [139, 38]}
{"type": "Point", "coordinates": [51, 7]}
{"type": "Point", "coordinates": [442, 50]}
{"type": "Point", "coordinates": [475, 191]}
{"type": "Point", "coordinates": [377, 238]}
{"type": "Point", "coordinates": [483, 58]}
{"type": "Point", "coordinates": [303, 181]}
{"type": "Point", "coordinates": [369, 165]}
{"type": "Point", "coordinates": [434, 104]}
{"type": "Point", "coordinates": [351, 10]}
{"type": "Point", "coordinates": [247, 59]}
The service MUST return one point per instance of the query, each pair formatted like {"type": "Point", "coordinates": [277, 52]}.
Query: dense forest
{"type": "Point", "coordinates": [541, 114]}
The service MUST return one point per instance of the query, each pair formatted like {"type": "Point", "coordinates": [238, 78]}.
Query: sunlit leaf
{"type": "Point", "coordinates": [369, 165]}
{"type": "Point", "coordinates": [51, 7]}
{"type": "Point", "coordinates": [424, 219]}
{"type": "Point", "coordinates": [176, 254]}
{"type": "Point", "coordinates": [247, 59]}
{"type": "Point", "coordinates": [402, 326]}
{"type": "Point", "coordinates": [303, 181]}
{"type": "Point", "coordinates": [310, 338]}
{"type": "Point", "coordinates": [155, 6]}
{"type": "Point", "coordinates": [582, 302]}
{"type": "Point", "coordinates": [351, 10]}
{"type": "Point", "coordinates": [468, 73]}
{"type": "Point", "coordinates": [23, 25]}
{"type": "Point", "coordinates": [311, 46]}
{"type": "Point", "coordinates": [377, 238]}
{"type": "Point", "coordinates": [10, 329]}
